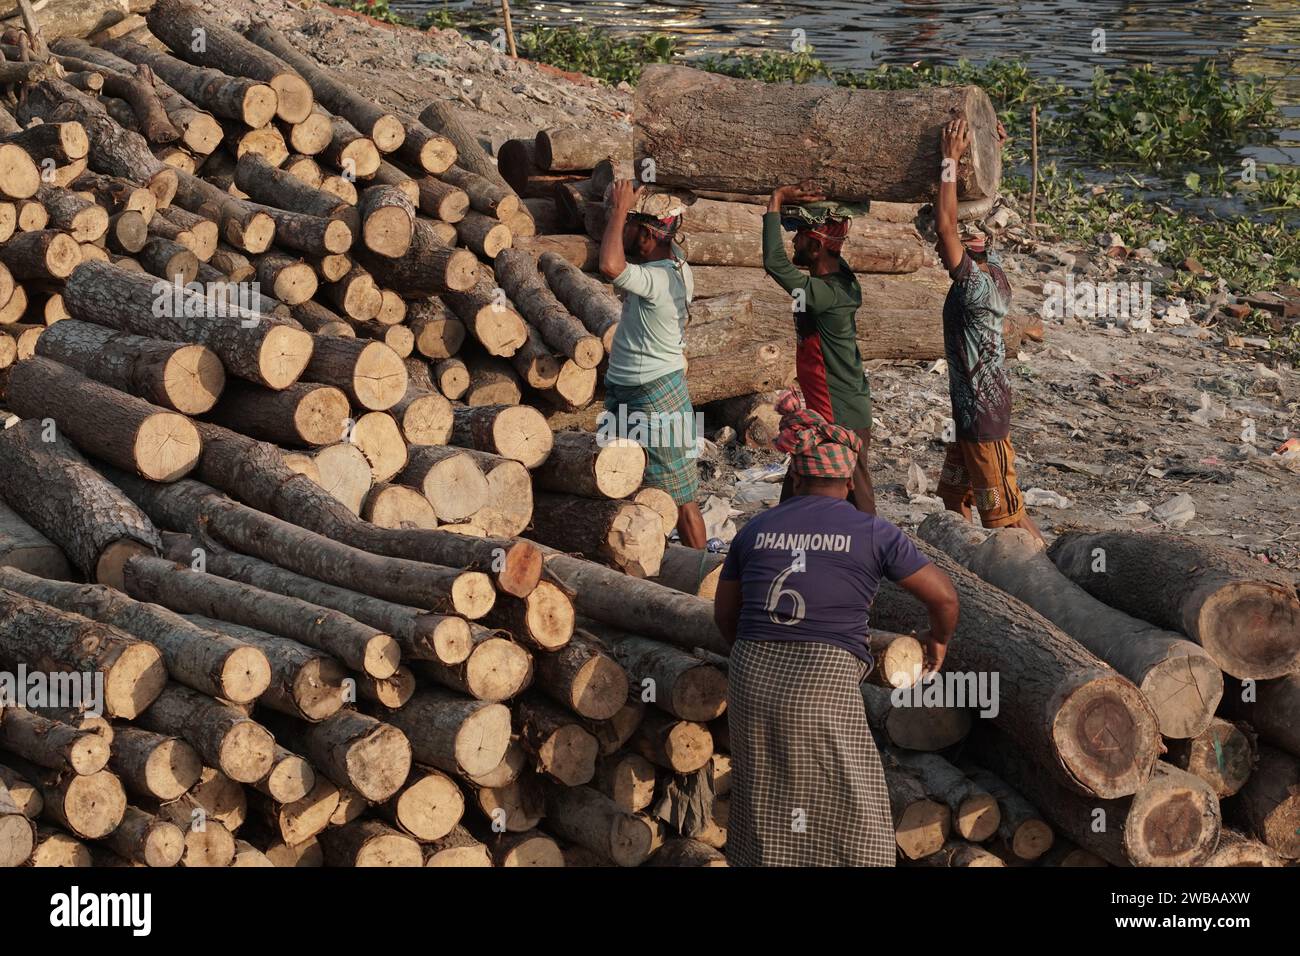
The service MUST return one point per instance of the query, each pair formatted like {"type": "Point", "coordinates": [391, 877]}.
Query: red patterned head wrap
{"type": "Point", "coordinates": [817, 448]}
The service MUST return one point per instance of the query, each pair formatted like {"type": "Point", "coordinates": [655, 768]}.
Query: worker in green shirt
{"type": "Point", "coordinates": [825, 301]}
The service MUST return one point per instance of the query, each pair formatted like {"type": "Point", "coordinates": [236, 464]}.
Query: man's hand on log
{"type": "Point", "coordinates": [1002, 134]}
{"type": "Point", "coordinates": [934, 652]}
{"type": "Point", "coordinates": [805, 192]}
{"type": "Point", "coordinates": [956, 139]}
{"type": "Point", "coordinates": [624, 196]}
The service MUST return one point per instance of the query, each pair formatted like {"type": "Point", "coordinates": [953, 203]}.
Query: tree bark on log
{"type": "Point", "coordinates": [588, 818]}
{"type": "Point", "coordinates": [198, 658]}
{"type": "Point", "coordinates": [629, 536]}
{"type": "Point", "coordinates": [975, 812]}
{"type": "Point", "coordinates": [1071, 712]}
{"type": "Point", "coordinates": [626, 778]}
{"type": "Point", "coordinates": [89, 806]}
{"type": "Point", "coordinates": [26, 549]}
{"type": "Point", "coordinates": [1171, 820]}
{"type": "Point", "coordinates": [692, 571]}
{"type": "Point", "coordinates": [699, 130]}
{"type": "Point", "coordinates": [496, 669]}
{"type": "Point", "coordinates": [354, 750]}
{"type": "Point", "coordinates": [1268, 806]}
{"type": "Point", "coordinates": [440, 116]}
{"type": "Point", "coordinates": [252, 346]}
{"type": "Point", "coordinates": [1022, 832]}
{"type": "Point", "coordinates": [560, 747]}
{"type": "Point", "coordinates": [52, 744]}
{"type": "Point", "coordinates": [368, 842]}
{"type": "Point", "coordinates": [57, 491]}
{"type": "Point", "coordinates": [584, 677]}
{"type": "Point", "coordinates": [1273, 713]}
{"type": "Point", "coordinates": [926, 728]}
{"type": "Point", "coordinates": [386, 130]}
{"type": "Point", "coordinates": [1237, 849]}
{"type": "Point", "coordinates": [429, 267]}
{"type": "Point", "coordinates": [222, 735]}
{"type": "Point", "coordinates": [587, 299]}
{"type": "Point", "coordinates": [489, 318]}
{"type": "Point", "coordinates": [387, 221]}
{"type": "Point", "coordinates": [1244, 614]}
{"type": "Point", "coordinates": [542, 620]}
{"type": "Point", "coordinates": [517, 432]}
{"type": "Point", "coordinates": [428, 807]}
{"type": "Point", "coordinates": [519, 277]}
{"type": "Point", "coordinates": [683, 685]}
{"type": "Point", "coordinates": [454, 733]}
{"type": "Point", "coordinates": [757, 367]}
{"type": "Point", "coordinates": [304, 414]}
{"type": "Point", "coordinates": [580, 464]}
{"type": "Point", "coordinates": [568, 148]}
{"type": "Point", "coordinates": [1180, 680]}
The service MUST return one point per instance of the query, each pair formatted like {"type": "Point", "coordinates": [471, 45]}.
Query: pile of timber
{"type": "Point", "coordinates": [351, 597]}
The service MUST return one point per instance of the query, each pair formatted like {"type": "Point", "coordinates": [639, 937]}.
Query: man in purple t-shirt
{"type": "Point", "coordinates": [794, 597]}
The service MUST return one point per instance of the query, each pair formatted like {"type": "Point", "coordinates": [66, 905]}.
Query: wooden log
{"type": "Point", "coordinates": [175, 23]}
{"type": "Point", "coordinates": [449, 477]}
{"type": "Point", "coordinates": [24, 794]}
{"type": "Point", "coordinates": [681, 746]}
{"type": "Point", "coordinates": [52, 744]}
{"type": "Point", "coordinates": [678, 683]}
{"type": "Point", "coordinates": [89, 806]}
{"type": "Point", "coordinates": [1244, 614]}
{"type": "Point", "coordinates": [588, 818]}
{"type": "Point", "coordinates": [441, 117]}
{"type": "Point", "coordinates": [198, 658]}
{"type": "Point", "coordinates": [1268, 806]}
{"type": "Point", "coordinates": [757, 367]}
{"type": "Point", "coordinates": [368, 842]}
{"type": "Point", "coordinates": [1270, 708]}
{"type": "Point", "coordinates": [485, 236]}
{"type": "Point", "coordinates": [454, 733]}
{"type": "Point", "coordinates": [426, 150]}
{"type": "Point", "coordinates": [529, 848]}
{"type": "Point", "coordinates": [519, 277]}
{"type": "Point", "coordinates": [1223, 755]}
{"type": "Point", "coordinates": [370, 373]}
{"type": "Point", "coordinates": [387, 220]}
{"type": "Point", "coordinates": [303, 819]}
{"type": "Point", "coordinates": [154, 765]}
{"type": "Point", "coordinates": [251, 346]}
{"type": "Point", "coordinates": [457, 848]}
{"type": "Point", "coordinates": [581, 463]}
{"type": "Point", "coordinates": [43, 255]}
{"type": "Point", "coordinates": [753, 417]}
{"type": "Point", "coordinates": [690, 570]}
{"type": "Point", "coordinates": [425, 417]}
{"type": "Point", "coordinates": [626, 778]}
{"type": "Point", "coordinates": [290, 777]}
{"type": "Point", "coordinates": [517, 432]}
{"type": "Point", "coordinates": [516, 162]}
{"type": "Point", "coordinates": [492, 199]}
{"type": "Point", "coordinates": [385, 129]}
{"type": "Point", "coordinates": [62, 142]}
{"type": "Point", "coordinates": [143, 838]}
{"type": "Point", "coordinates": [451, 376]}
{"type": "Point", "coordinates": [26, 549]}
{"type": "Point", "coordinates": [489, 317]}
{"type": "Point", "coordinates": [496, 669]}
{"type": "Point", "coordinates": [719, 154]}
{"type": "Point", "coordinates": [1171, 820]}
{"type": "Point", "coordinates": [304, 414]}
{"type": "Point", "coordinates": [1237, 849]}
{"type": "Point", "coordinates": [361, 647]}
{"type": "Point", "coordinates": [629, 536]}
{"type": "Point", "coordinates": [380, 440]}
{"type": "Point", "coordinates": [440, 199]}
{"type": "Point", "coordinates": [959, 853]}
{"type": "Point", "coordinates": [567, 148]}
{"type": "Point", "coordinates": [428, 807]}
{"type": "Point", "coordinates": [864, 254]}
{"type": "Point", "coordinates": [56, 848]}
{"type": "Point", "coordinates": [349, 151]}
{"type": "Point", "coordinates": [392, 691]}
{"type": "Point", "coordinates": [1006, 637]}
{"type": "Point", "coordinates": [344, 472]}
{"type": "Point", "coordinates": [584, 677]}
{"type": "Point", "coordinates": [248, 101]}
{"type": "Point", "coordinates": [430, 266]}
{"type": "Point", "coordinates": [1022, 832]}
{"type": "Point", "coordinates": [319, 320]}
{"type": "Point", "coordinates": [1182, 681]}
{"type": "Point", "coordinates": [923, 728]}
{"type": "Point", "coordinates": [686, 852]}
{"type": "Point", "coordinates": [396, 506]}
{"type": "Point", "coordinates": [356, 295]}
{"type": "Point", "coordinates": [305, 854]}
{"type": "Point", "coordinates": [975, 813]}
{"type": "Point", "coordinates": [185, 378]}
{"type": "Point", "coordinates": [587, 299]}
{"type": "Point", "coordinates": [222, 735]}
{"type": "Point", "coordinates": [354, 750]}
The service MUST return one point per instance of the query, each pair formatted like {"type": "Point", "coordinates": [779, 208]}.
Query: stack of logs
{"type": "Point", "coordinates": [314, 622]}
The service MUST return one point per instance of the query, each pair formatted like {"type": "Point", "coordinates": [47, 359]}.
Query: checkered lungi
{"type": "Point", "coordinates": [670, 462]}
{"type": "Point", "coordinates": [807, 785]}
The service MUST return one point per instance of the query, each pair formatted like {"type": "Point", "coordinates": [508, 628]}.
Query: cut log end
{"type": "Point", "coordinates": [193, 379]}
{"type": "Point", "coordinates": [1106, 736]}
{"type": "Point", "coordinates": [135, 681]}
{"type": "Point", "coordinates": [247, 752]}
{"type": "Point", "coordinates": [1250, 628]}
{"type": "Point", "coordinates": [167, 447]}
{"type": "Point", "coordinates": [284, 354]}
{"type": "Point", "coordinates": [473, 595]}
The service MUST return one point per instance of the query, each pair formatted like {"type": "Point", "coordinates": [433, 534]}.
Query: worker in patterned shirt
{"type": "Point", "coordinates": [828, 363]}
{"type": "Point", "coordinates": [793, 599]}
{"type": "Point", "coordinates": [979, 466]}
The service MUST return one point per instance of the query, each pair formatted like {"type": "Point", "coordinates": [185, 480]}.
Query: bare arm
{"type": "Point", "coordinates": [956, 140]}
{"type": "Point", "coordinates": [935, 590]}
{"type": "Point", "coordinates": [726, 609]}
{"type": "Point", "coordinates": [612, 259]}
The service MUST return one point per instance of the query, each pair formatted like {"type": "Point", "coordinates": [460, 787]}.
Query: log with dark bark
{"type": "Point", "coordinates": [117, 427]}
{"type": "Point", "coordinates": [1022, 832]}
{"type": "Point", "coordinates": [50, 743]}
{"type": "Point", "coordinates": [429, 267]}
{"type": "Point", "coordinates": [1171, 820]}
{"type": "Point", "coordinates": [590, 819]}
{"type": "Point", "coordinates": [89, 806]}
{"type": "Point", "coordinates": [975, 814]}
{"type": "Point", "coordinates": [441, 200]}
{"type": "Point", "coordinates": [485, 196]}
{"type": "Point", "coordinates": [489, 317]}
{"type": "Point", "coordinates": [1272, 708]}
{"type": "Point", "coordinates": [912, 725]}
{"type": "Point", "coordinates": [359, 646]}
{"type": "Point", "coordinates": [222, 735]}
{"type": "Point", "coordinates": [186, 378]}
{"type": "Point", "coordinates": [517, 432]}
{"type": "Point", "coordinates": [303, 414]}
{"type": "Point", "coordinates": [693, 571]}
{"type": "Point", "coordinates": [44, 255]}
{"type": "Point", "coordinates": [25, 548]}
{"type": "Point", "coordinates": [496, 669]}
{"type": "Point", "coordinates": [386, 130]}
{"type": "Point", "coordinates": [745, 370]}
{"type": "Point", "coordinates": [353, 750]}
{"type": "Point", "coordinates": [1180, 680]}
{"type": "Point", "coordinates": [264, 183]}
{"type": "Point", "coordinates": [486, 236]}
{"type": "Point", "coordinates": [560, 747]}
{"type": "Point", "coordinates": [55, 490]}
{"type": "Point", "coordinates": [627, 535]}
{"type": "Point", "coordinates": [569, 148]}
{"type": "Point", "coordinates": [1237, 849]}
{"type": "Point", "coordinates": [387, 221]}
{"type": "Point", "coordinates": [721, 153]}
{"type": "Point", "coordinates": [175, 22]}
{"type": "Point", "coordinates": [1071, 713]}
{"type": "Point", "coordinates": [588, 300]}
{"type": "Point", "coordinates": [440, 116]}
{"type": "Point", "coordinates": [682, 684]}
{"type": "Point", "coordinates": [454, 733]}
{"type": "Point", "coordinates": [1244, 614]}
{"type": "Point", "coordinates": [253, 346]}
{"type": "Point", "coordinates": [584, 677]}
{"type": "Point", "coordinates": [580, 463]}
{"type": "Point", "coordinates": [519, 277]}
{"type": "Point", "coordinates": [1268, 806]}
{"type": "Point", "coordinates": [425, 149]}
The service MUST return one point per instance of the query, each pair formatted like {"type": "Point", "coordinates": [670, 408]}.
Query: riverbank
{"type": "Point", "coordinates": [1116, 417]}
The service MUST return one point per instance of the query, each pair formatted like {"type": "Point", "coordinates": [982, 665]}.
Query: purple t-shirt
{"type": "Point", "coordinates": [810, 568]}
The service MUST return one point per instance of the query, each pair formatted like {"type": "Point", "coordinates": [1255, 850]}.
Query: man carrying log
{"type": "Point", "coordinates": [979, 467]}
{"type": "Point", "coordinates": [645, 384]}
{"type": "Point", "coordinates": [793, 599]}
{"type": "Point", "coordinates": [828, 363]}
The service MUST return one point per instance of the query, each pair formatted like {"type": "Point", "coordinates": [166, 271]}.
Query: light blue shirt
{"type": "Point", "coordinates": [650, 340]}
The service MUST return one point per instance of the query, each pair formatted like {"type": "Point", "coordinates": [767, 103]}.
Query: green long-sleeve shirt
{"type": "Point", "coordinates": [828, 362]}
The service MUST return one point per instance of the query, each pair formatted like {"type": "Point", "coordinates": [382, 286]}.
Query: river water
{"type": "Point", "coordinates": [1056, 37]}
